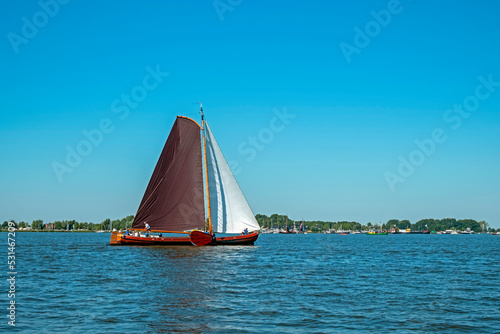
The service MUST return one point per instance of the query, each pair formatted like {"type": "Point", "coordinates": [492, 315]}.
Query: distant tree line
{"type": "Point", "coordinates": [272, 222]}
{"type": "Point", "coordinates": [279, 221]}
{"type": "Point", "coordinates": [441, 225]}
{"type": "Point", "coordinates": [72, 225]}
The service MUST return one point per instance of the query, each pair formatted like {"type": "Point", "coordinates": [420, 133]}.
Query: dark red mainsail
{"type": "Point", "coordinates": [173, 200]}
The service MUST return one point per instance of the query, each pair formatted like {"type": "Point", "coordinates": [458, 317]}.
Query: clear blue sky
{"type": "Point", "coordinates": [359, 102]}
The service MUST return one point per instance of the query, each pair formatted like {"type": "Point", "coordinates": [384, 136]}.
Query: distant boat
{"type": "Point", "coordinates": [377, 233]}
{"type": "Point", "coordinates": [288, 230]}
{"type": "Point", "coordinates": [342, 232]}
{"type": "Point", "coordinates": [173, 204]}
{"type": "Point", "coordinates": [302, 228]}
{"type": "Point", "coordinates": [408, 231]}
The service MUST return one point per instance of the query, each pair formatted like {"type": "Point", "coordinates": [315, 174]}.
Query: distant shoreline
{"type": "Point", "coordinates": [50, 231]}
{"type": "Point", "coordinates": [273, 222]}
{"type": "Point", "coordinates": [309, 232]}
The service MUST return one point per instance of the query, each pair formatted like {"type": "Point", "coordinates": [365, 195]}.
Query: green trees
{"type": "Point", "coordinates": [37, 224]}
{"type": "Point", "coordinates": [400, 224]}
{"type": "Point", "coordinates": [105, 224]}
{"type": "Point", "coordinates": [118, 224]}
{"type": "Point", "coordinates": [273, 221]}
{"type": "Point", "coordinates": [73, 225]}
{"type": "Point", "coordinates": [441, 224]}
{"type": "Point", "coordinates": [278, 221]}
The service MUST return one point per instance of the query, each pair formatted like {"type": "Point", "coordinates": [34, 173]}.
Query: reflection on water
{"type": "Point", "coordinates": [75, 282]}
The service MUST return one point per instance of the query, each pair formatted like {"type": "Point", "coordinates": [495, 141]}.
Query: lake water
{"type": "Point", "coordinates": [76, 283]}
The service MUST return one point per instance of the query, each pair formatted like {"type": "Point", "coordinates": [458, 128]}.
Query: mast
{"type": "Point", "coordinates": [210, 229]}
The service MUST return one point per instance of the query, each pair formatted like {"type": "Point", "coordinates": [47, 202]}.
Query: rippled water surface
{"type": "Point", "coordinates": [76, 283]}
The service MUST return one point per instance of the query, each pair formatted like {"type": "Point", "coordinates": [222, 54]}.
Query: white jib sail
{"type": "Point", "coordinates": [229, 209]}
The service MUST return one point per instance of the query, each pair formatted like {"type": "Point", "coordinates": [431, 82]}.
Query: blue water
{"type": "Point", "coordinates": [76, 283]}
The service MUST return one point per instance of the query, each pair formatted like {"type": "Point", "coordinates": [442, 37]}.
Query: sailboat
{"type": "Point", "coordinates": [173, 204]}
{"type": "Point", "coordinates": [288, 230]}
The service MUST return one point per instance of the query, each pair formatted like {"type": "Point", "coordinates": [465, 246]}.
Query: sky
{"type": "Point", "coordinates": [361, 111]}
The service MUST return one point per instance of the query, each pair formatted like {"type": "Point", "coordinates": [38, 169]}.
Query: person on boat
{"type": "Point", "coordinates": [245, 231]}
{"type": "Point", "coordinates": [136, 234]}
{"type": "Point", "coordinates": [146, 225]}
{"type": "Point", "coordinates": [160, 235]}
{"type": "Point", "coordinates": [127, 232]}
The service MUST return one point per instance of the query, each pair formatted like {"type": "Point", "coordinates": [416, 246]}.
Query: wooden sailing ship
{"type": "Point", "coordinates": [173, 203]}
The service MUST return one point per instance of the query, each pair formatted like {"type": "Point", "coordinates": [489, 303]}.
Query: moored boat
{"type": "Point", "coordinates": [377, 233]}
{"type": "Point", "coordinates": [288, 232]}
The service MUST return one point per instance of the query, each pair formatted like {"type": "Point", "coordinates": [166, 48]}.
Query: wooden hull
{"type": "Point", "coordinates": [238, 240]}
{"type": "Point", "coordinates": [145, 241]}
